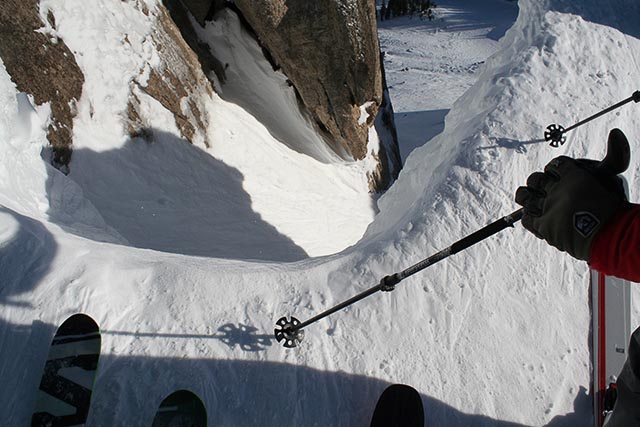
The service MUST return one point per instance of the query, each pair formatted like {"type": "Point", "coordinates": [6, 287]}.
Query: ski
{"type": "Point", "coordinates": [399, 406]}
{"type": "Point", "coordinates": [66, 386]}
{"type": "Point", "coordinates": [181, 408]}
{"type": "Point", "coordinates": [611, 330]}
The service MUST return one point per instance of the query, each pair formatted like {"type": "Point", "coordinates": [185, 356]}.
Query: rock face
{"type": "Point", "coordinates": [203, 9]}
{"type": "Point", "coordinates": [41, 65]}
{"type": "Point", "coordinates": [329, 50]}
{"type": "Point", "coordinates": [178, 82]}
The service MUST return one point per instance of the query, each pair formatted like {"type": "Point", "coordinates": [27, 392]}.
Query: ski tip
{"type": "Point", "coordinates": [399, 405]}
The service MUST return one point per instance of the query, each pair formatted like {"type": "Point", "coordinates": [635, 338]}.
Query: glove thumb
{"type": "Point", "coordinates": [618, 154]}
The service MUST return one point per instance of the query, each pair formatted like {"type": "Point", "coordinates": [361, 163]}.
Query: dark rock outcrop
{"type": "Point", "coordinates": [42, 65]}
{"type": "Point", "coordinates": [203, 10]}
{"type": "Point", "coordinates": [329, 51]}
{"type": "Point", "coordinates": [389, 160]}
{"type": "Point", "coordinates": [178, 82]}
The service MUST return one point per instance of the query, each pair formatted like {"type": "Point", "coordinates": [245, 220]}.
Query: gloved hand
{"type": "Point", "coordinates": [570, 201]}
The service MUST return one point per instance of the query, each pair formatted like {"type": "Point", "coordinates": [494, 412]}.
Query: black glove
{"type": "Point", "coordinates": [573, 199]}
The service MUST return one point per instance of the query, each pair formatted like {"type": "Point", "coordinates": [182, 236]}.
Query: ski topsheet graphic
{"type": "Point", "coordinates": [399, 406]}
{"type": "Point", "coordinates": [182, 408]}
{"type": "Point", "coordinates": [65, 389]}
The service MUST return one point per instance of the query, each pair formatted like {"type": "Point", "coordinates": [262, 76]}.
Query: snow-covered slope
{"type": "Point", "coordinates": [496, 335]}
{"type": "Point", "coordinates": [248, 196]}
{"type": "Point", "coordinates": [513, 311]}
{"type": "Point", "coordinates": [430, 64]}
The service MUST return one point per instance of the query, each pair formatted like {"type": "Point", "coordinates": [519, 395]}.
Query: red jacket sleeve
{"type": "Point", "coordinates": [616, 248]}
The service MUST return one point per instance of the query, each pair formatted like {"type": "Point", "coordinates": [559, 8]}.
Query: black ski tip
{"type": "Point", "coordinates": [399, 405]}
{"type": "Point", "coordinates": [286, 334]}
{"type": "Point", "coordinates": [554, 134]}
{"type": "Point", "coordinates": [181, 408]}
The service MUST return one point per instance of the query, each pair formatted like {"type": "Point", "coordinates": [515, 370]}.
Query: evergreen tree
{"type": "Point", "coordinates": [407, 7]}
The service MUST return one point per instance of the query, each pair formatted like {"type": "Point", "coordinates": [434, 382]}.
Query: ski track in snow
{"type": "Point", "coordinates": [494, 336]}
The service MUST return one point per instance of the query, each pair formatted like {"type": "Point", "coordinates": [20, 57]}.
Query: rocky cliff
{"type": "Point", "coordinates": [327, 49]}
{"type": "Point", "coordinates": [42, 65]}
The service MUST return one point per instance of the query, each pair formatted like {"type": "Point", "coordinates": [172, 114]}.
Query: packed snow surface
{"type": "Point", "coordinates": [430, 64]}
{"type": "Point", "coordinates": [494, 336]}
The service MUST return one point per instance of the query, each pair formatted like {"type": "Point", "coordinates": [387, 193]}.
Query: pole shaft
{"type": "Point", "coordinates": [338, 307]}
{"type": "Point", "coordinates": [601, 113]}
{"type": "Point", "coordinates": [394, 279]}
{"type": "Point", "coordinates": [465, 242]}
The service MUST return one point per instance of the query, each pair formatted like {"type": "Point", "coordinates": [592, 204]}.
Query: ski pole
{"type": "Point", "coordinates": [555, 133]}
{"type": "Point", "coordinates": [289, 331]}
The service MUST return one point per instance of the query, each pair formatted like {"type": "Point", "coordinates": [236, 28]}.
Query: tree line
{"type": "Point", "coordinates": [393, 8]}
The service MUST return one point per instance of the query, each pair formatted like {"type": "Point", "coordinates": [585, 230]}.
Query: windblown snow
{"type": "Point", "coordinates": [187, 255]}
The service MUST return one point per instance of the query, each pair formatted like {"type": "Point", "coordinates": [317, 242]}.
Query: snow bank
{"type": "Point", "coordinates": [512, 296]}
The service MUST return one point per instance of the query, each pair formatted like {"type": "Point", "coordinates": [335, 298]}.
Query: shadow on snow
{"type": "Point", "coordinates": [25, 258]}
{"type": "Point", "coordinates": [493, 17]}
{"type": "Point", "coordinates": [415, 128]}
{"type": "Point", "coordinates": [165, 195]}
{"type": "Point", "coordinates": [129, 389]}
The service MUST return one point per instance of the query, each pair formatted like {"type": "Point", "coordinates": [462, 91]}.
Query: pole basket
{"type": "Point", "coordinates": [286, 332]}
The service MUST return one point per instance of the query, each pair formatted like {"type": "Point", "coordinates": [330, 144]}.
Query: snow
{"type": "Point", "coordinates": [183, 254]}
{"type": "Point", "coordinates": [279, 203]}
{"type": "Point", "coordinates": [364, 114]}
{"type": "Point", "coordinates": [252, 84]}
{"type": "Point", "coordinates": [430, 64]}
